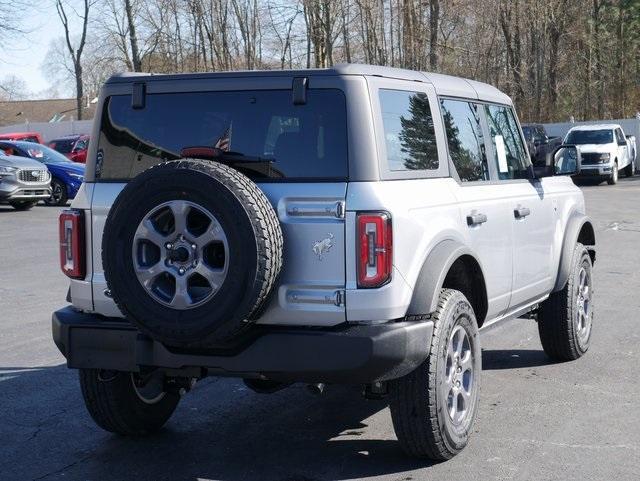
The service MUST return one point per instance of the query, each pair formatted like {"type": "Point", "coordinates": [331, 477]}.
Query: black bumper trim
{"type": "Point", "coordinates": [354, 354]}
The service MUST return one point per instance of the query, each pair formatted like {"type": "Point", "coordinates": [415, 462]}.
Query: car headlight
{"type": "Point", "coordinates": [604, 158]}
{"type": "Point", "coordinates": [5, 170]}
{"type": "Point", "coordinates": [77, 177]}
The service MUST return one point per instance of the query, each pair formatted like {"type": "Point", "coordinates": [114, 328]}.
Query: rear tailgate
{"type": "Point", "coordinates": [313, 272]}
{"type": "Point", "coordinates": [296, 153]}
{"type": "Point", "coordinates": [311, 286]}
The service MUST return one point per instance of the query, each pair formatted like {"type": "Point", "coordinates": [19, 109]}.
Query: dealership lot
{"type": "Point", "coordinates": [537, 420]}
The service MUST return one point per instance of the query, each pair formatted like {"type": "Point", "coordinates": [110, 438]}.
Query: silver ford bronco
{"type": "Point", "coordinates": [353, 225]}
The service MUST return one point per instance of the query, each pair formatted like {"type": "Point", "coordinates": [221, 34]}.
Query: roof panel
{"type": "Point", "coordinates": [454, 86]}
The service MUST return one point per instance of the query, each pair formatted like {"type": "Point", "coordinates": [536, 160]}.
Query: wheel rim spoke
{"type": "Point", "coordinates": [214, 277]}
{"type": "Point", "coordinates": [211, 235]}
{"type": "Point", "coordinates": [148, 274]}
{"type": "Point", "coordinates": [180, 210]}
{"type": "Point", "coordinates": [452, 401]}
{"type": "Point", "coordinates": [467, 362]}
{"type": "Point", "coordinates": [147, 231]}
{"type": "Point", "coordinates": [181, 298]}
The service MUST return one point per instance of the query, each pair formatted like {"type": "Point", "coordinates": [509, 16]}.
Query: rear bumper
{"type": "Point", "coordinates": [353, 354]}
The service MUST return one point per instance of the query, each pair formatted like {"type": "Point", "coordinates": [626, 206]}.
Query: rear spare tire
{"type": "Point", "coordinates": [191, 250]}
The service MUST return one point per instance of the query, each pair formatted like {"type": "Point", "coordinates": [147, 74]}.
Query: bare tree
{"type": "Point", "coordinates": [75, 52]}
{"type": "Point", "coordinates": [133, 38]}
{"type": "Point", "coordinates": [13, 87]}
{"type": "Point", "coordinates": [556, 58]}
{"type": "Point", "coordinates": [434, 22]}
{"type": "Point", "coordinates": [12, 19]}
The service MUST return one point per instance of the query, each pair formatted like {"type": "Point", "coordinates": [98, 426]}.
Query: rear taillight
{"type": "Point", "coordinates": [375, 249]}
{"type": "Point", "coordinates": [72, 260]}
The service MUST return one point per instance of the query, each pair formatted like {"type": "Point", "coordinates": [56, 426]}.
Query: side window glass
{"type": "Point", "coordinates": [465, 139]}
{"type": "Point", "coordinates": [409, 135]}
{"type": "Point", "coordinates": [508, 149]}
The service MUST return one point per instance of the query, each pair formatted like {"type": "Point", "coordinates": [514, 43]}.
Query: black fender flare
{"type": "Point", "coordinates": [572, 231]}
{"type": "Point", "coordinates": [435, 268]}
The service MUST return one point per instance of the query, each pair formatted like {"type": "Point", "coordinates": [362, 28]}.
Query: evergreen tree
{"type": "Point", "coordinates": [417, 138]}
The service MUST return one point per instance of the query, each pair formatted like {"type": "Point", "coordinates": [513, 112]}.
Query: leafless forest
{"type": "Point", "coordinates": [556, 58]}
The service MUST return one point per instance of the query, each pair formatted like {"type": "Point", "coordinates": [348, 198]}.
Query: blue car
{"type": "Point", "coordinates": [66, 176]}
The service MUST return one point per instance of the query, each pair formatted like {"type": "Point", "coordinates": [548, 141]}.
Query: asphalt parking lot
{"type": "Point", "coordinates": [537, 420]}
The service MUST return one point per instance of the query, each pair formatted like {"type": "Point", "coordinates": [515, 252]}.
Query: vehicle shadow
{"type": "Point", "coordinates": [587, 182]}
{"type": "Point", "coordinates": [7, 209]}
{"type": "Point", "coordinates": [498, 359]}
{"type": "Point", "coordinates": [221, 430]}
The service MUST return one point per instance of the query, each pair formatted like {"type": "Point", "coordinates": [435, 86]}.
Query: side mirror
{"type": "Point", "coordinates": [567, 160]}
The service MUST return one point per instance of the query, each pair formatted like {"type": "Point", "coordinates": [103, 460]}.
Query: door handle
{"type": "Point", "coordinates": [521, 212]}
{"type": "Point", "coordinates": [476, 219]}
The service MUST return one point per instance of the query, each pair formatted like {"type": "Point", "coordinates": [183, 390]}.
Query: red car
{"type": "Point", "coordinates": [72, 146]}
{"type": "Point", "coordinates": [24, 136]}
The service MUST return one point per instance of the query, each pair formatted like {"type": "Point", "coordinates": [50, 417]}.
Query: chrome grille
{"type": "Point", "coordinates": [33, 175]}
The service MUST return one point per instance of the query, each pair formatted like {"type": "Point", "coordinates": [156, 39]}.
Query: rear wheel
{"type": "Point", "coordinates": [433, 408]}
{"type": "Point", "coordinates": [23, 204]}
{"type": "Point", "coordinates": [58, 194]}
{"type": "Point", "coordinates": [630, 169]}
{"type": "Point", "coordinates": [613, 178]}
{"type": "Point", "coordinates": [119, 402]}
{"type": "Point", "coordinates": [565, 319]}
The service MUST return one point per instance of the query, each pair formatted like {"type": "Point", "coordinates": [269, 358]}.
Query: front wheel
{"type": "Point", "coordinates": [58, 194]}
{"type": "Point", "coordinates": [23, 204]}
{"type": "Point", "coordinates": [613, 178]}
{"type": "Point", "coordinates": [433, 408]}
{"type": "Point", "coordinates": [565, 319]}
{"type": "Point", "coordinates": [119, 402]}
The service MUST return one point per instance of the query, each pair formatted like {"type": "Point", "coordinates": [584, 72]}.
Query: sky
{"type": "Point", "coordinates": [23, 55]}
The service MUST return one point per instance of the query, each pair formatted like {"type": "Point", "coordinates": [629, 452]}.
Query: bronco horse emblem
{"type": "Point", "coordinates": [320, 248]}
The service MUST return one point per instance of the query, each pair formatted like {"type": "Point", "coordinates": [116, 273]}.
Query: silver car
{"type": "Point", "coordinates": [352, 225]}
{"type": "Point", "coordinates": [23, 182]}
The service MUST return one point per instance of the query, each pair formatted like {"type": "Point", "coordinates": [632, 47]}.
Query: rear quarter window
{"type": "Point", "coordinates": [280, 140]}
{"type": "Point", "coordinates": [409, 133]}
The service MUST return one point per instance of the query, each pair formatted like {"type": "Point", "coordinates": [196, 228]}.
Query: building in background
{"type": "Point", "coordinates": [50, 110]}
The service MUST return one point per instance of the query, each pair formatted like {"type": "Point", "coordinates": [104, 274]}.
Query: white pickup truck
{"type": "Point", "coordinates": [605, 151]}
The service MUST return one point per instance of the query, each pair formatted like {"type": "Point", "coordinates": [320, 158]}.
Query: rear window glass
{"type": "Point", "coordinates": [409, 135]}
{"type": "Point", "coordinates": [64, 146]}
{"type": "Point", "coordinates": [272, 137]}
